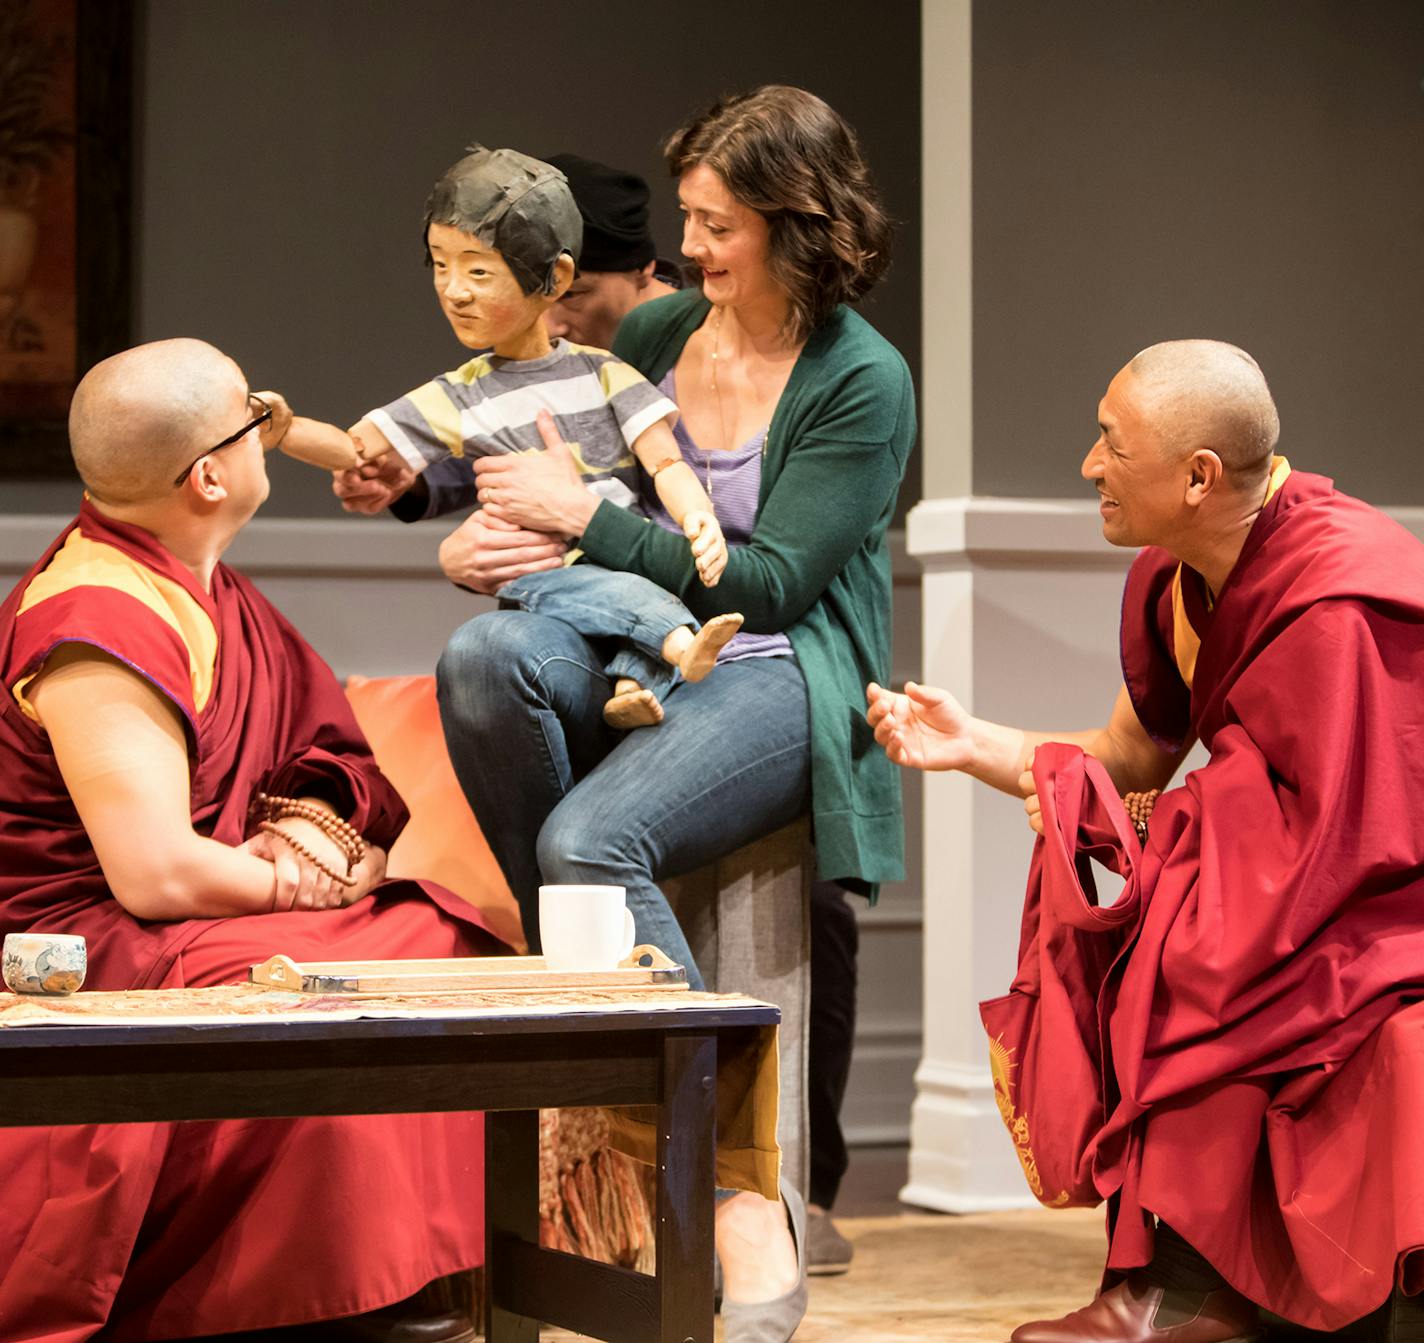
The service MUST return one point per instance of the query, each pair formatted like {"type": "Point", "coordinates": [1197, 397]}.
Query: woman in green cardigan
{"type": "Point", "coordinates": [800, 419]}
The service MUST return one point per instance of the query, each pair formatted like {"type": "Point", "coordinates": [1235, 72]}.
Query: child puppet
{"type": "Point", "coordinates": [502, 234]}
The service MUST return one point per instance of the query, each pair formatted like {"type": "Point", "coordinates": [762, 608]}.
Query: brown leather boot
{"type": "Point", "coordinates": [1138, 1312]}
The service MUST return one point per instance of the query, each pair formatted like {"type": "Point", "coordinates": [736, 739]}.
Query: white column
{"type": "Point", "coordinates": [1020, 602]}
{"type": "Point", "coordinates": [946, 158]}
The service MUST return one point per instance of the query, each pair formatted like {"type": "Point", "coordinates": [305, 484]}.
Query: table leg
{"type": "Point", "coordinates": [687, 1131]}
{"type": "Point", "coordinates": [511, 1209]}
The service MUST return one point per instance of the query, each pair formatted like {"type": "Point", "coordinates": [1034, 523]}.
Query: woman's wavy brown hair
{"type": "Point", "coordinates": [791, 158]}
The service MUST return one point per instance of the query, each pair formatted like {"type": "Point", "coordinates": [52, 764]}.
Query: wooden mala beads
{"type": "Point", "coordinates": [1139, 809]}
{"type": "Point", "coordinates": [342, 833]}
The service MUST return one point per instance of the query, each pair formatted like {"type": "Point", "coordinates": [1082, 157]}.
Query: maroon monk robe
{"type": "Point", "coordinates": [180, 1230]}
{"type": "Point", "coordinates": [1281, 930]}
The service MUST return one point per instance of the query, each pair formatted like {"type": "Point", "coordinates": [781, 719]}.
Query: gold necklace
{"type": "Point", "coordinates": [717, 393]}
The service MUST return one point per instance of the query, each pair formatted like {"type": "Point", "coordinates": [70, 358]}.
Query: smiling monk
{"type": "Point", "coordinates": [183, 784]}
{"type": "Point", "coordinates": [1277, 904]}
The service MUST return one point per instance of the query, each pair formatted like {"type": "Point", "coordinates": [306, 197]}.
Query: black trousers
{"type": "Point", "coordinates": [835, 941]}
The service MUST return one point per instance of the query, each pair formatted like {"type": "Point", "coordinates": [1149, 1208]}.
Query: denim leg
{"type": "Point", "coordinates": [607, 604]}
{"type": "Point", "coordinates": [729, 763]}
{"type": "Point", "coordinates": [602, 603]}
{"type": "Point", "coordinates": [649, 672]}
{"type": "Point", "coordinates": [521, 701]}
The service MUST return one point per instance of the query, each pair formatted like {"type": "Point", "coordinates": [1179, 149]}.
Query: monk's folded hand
{"type": "Point", "coordinates": [369, 873]}
{"type": "Point", "coordinates": [923, 728]}
{"type": "Point", "coordinates": [301, 883]}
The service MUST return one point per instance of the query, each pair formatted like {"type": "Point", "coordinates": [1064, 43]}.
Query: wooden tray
{"type": "Point", "coordinates": [467, 973]}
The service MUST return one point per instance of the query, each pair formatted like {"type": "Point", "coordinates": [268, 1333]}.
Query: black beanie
{"type": "Point", "coordinates": [614, 205]}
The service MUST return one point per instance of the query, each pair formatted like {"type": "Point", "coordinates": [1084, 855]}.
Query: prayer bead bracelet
{"type": "Point", "coordinates": [341, 832]}
{"type": "Point", "coordinates": [1139, 809]}
{"type": "Point", "coordinates": [352, 850]}
{"type": "Point", "coordinates": [328, 820]}
{"type": "Point", "coordinates": [272, 828]}
{"type": "Point", "coordinates": [338, 831]}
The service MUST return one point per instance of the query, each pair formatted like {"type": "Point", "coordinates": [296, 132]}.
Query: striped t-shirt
{"type": "Point", "coordinates": [600, 405]}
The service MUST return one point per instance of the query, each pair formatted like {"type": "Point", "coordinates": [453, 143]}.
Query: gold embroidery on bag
{"type": "Point", "coordinates": [1002, 1065]}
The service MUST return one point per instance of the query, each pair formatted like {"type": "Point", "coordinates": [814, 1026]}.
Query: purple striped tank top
{"type": "Point", "coordinates": [736, 483]}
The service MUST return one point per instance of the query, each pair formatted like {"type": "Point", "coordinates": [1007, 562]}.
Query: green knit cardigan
{"type": "Point", "coordinates": [817, 566]}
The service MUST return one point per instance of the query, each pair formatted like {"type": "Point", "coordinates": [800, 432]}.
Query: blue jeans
{"type": "Point", "coordinates": [561, 797]}
{"type": "Point", "coordinates": [607, 604]}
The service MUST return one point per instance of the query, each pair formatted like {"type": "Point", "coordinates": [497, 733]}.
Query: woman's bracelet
{"type": "Point", "coordinates": [272, 828]}
{"type": "Point", "coordinates": [341, 832]}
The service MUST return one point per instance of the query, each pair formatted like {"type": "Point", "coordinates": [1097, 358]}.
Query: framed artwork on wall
{"type": "Point", "coordinates": [66, 86]}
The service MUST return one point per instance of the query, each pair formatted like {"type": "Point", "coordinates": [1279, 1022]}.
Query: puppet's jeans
{"type": "Point", "coordinates": [606, 604]}
{"type": "Point", "coordinates": [562, 798]}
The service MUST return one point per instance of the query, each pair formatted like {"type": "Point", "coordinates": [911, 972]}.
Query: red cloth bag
{"type": "Point", "coordinates": [1045, 1038]}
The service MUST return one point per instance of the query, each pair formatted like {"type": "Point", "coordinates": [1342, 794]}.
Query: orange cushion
{"type": "Point", "coordinates": [443, 842]}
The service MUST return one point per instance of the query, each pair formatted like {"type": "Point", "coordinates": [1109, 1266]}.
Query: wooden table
{"type": "Point", "coordinates": [509, 1065]}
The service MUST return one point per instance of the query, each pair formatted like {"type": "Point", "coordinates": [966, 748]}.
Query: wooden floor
{"type": "Point", "coordinates": [925, 1276]}
{"type": "Point", "coordinates": [942, 1279]}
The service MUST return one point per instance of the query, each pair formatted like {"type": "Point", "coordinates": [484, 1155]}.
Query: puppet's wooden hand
{"type": "Point", "coordinates": [709, 546]}
{"type": "Point", "coordinates": [275, 430]}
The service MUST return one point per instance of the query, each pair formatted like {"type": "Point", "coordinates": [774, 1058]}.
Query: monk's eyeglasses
{"type": "Point", "coordinates": [257, 423]}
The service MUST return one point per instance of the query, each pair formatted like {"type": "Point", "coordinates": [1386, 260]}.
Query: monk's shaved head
{"type": "Point", "coordinates": [138, 417]}
{"type": "Point", "coordinates": [1208, 394]}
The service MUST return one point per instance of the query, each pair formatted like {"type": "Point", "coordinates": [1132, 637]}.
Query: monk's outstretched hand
{"type": "Point", "coordinates": [923, 728]}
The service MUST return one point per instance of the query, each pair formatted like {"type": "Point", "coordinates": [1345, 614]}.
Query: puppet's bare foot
{"type": "Point", "coordinates": [694, 657]}
{"type": "Point", "coordinates": [632, 706]}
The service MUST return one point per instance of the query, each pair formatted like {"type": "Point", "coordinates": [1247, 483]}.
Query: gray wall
{"type": "Point", "coordinates": [286, 148]}
{"type": "Point", "coordinates": [1251, 170]}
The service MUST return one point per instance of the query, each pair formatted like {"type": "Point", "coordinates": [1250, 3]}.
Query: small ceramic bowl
{"type": "Point", "coordinates": [48, 963]}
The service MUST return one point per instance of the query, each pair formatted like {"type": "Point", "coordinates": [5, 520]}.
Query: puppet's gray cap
{"type": "Point", "coordinates": [522, 207]}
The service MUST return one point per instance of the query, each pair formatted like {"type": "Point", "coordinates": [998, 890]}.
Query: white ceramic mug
{"type": "Point", "coordinates": [584, 927]}
{"type": "Point", "coordinates": [47, 963]}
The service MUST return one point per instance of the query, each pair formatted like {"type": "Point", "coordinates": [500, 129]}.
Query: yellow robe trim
{"type": "Point", "coordinates": [82, 562]}
{"type": "Point", "coordinates": [1186, 642]}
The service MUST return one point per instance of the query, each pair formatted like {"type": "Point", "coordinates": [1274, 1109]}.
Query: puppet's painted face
{"type": "Point", "coordinates": [728, 240]}
{"type": "Point", "coordinates": [593, 306]}
{"type": "Point", "coordinates": [478, 292]}
{"type": "Point", "coordinates": [1140, 489]}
